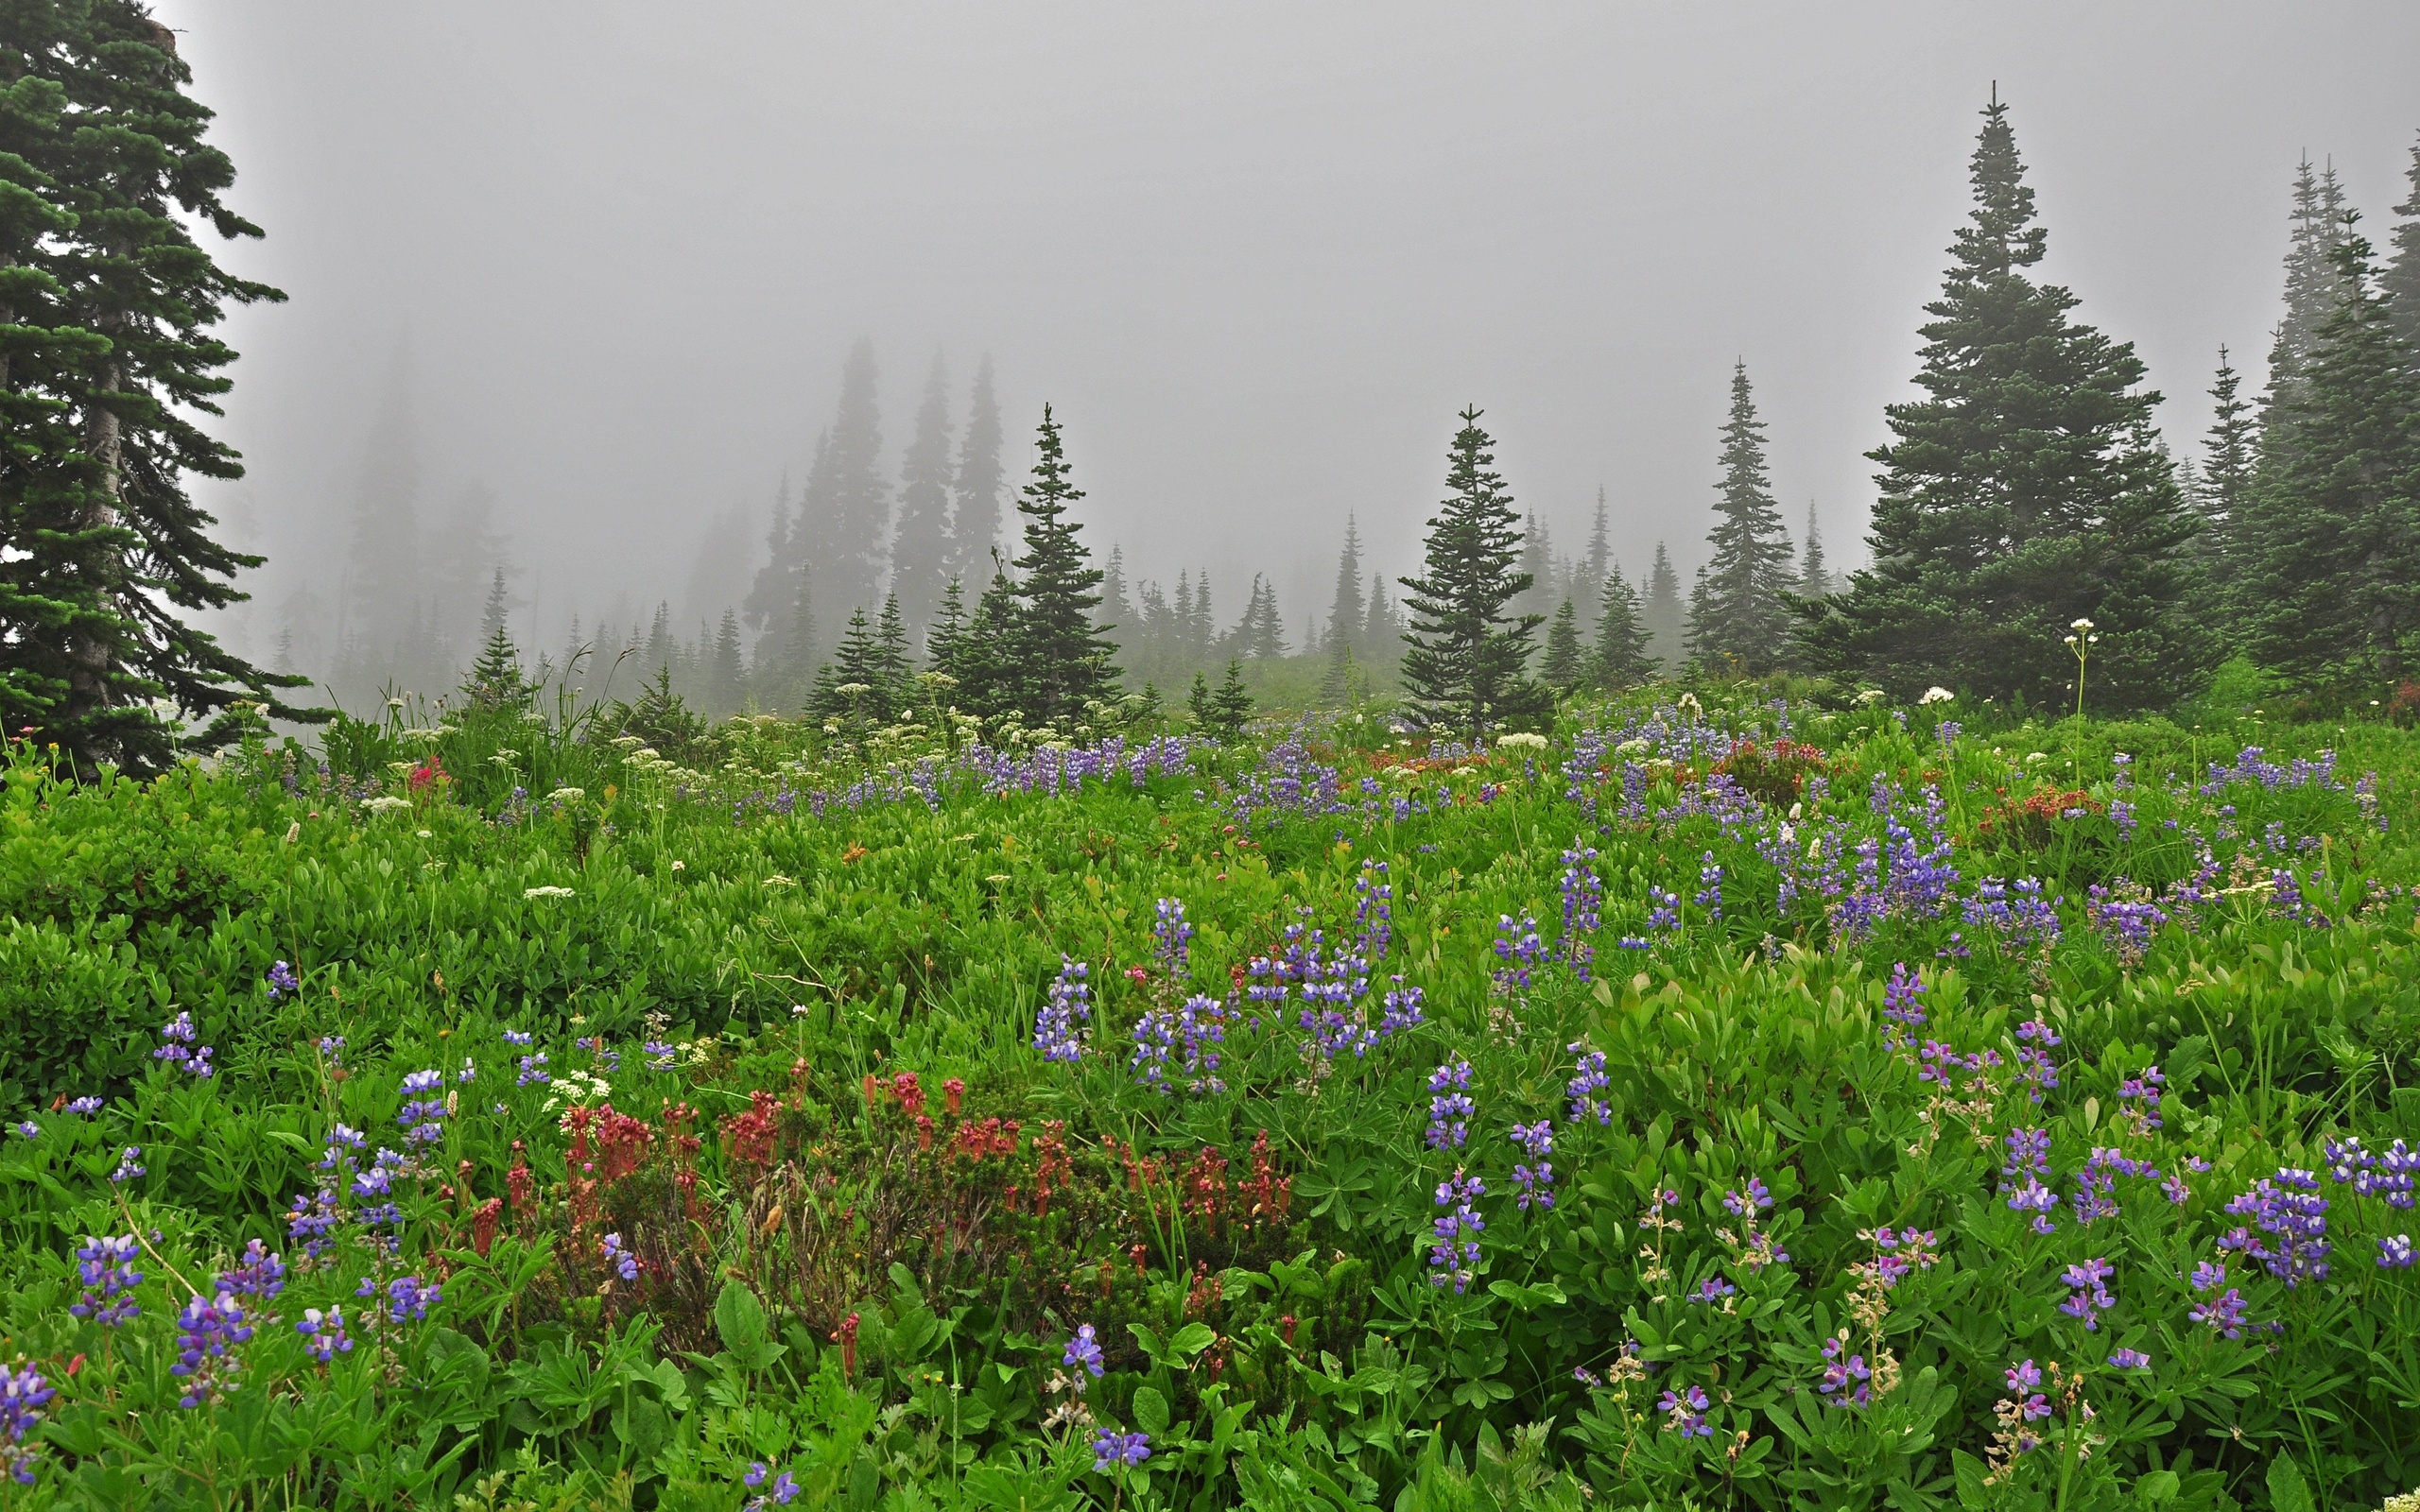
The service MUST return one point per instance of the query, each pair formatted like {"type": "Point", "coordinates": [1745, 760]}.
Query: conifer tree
{"type": "Point", "coordinates": [1814, 579]}
{"type": "Point", "coordinates": [2311, 280]}
{"type": "Point", "coordinates": [495, 680]}
{"type": "Point", "coordinates": [1620, 658]}
{"type": "Point", "coordinates": [2400, 281]}
{"type": "Point", "coordinates": [1347, 609]}
{"type": "Point", "coordinates": [949, 629]}
{"type": "Point", "coordinates": [1561, 667]}
{"type": "Point", "coordinates": [894, 664]}
{"type": "Point", "coordinates": [1222, 713]}
{"type": "Point", "coordinates": [975, 522]}
{"type": "Point", "coordinates": [2329, 570]}
{"type": "Point", "coordinates": [1382, 638]}
{"type": "Point", "coordinates": [2026, 490]}
{"type": "Point", "coordinates": [1736, 617]}
{"type": "Point", "coordinates": [921, 548]}
{"type": "Point", "coordinates": [1593, 567]}
{"type": "Point", "coordinates": [498, 608]}
{"type": "Point", "coordinates": [774, 594]}
{"type": "Point", "coordinates": [1062, 655]}
{"type": "Point", "coordinates": [2224, 480]}
{"type": "Point", "coordinates": [1260, 634]}
{"type": "Point", "coordinates": [727, 673]}
{"type": "Point", "coordinates": [1115, 604]}
{"type": "Point", "coordinates": [109, 304]}
{"type": "Point", "coordinates": [1465, 659]}
{"type": "Point", "coordinates": [660, 646]}
{"type": "Point", "coordinates": [1662, 613]}
{"type": "Point", "coordinates": [844, 517]}
{"type": "Point", "coordinates": [1537, 564]}
{"type": "Point", "coordinates": [848, 685]}
{"type": "Point", "coordinates": [786, 682]}
{"type": "Point", "coordinates": [984, 660]}
{"type": "Point", "coordinates": [1202, 636]}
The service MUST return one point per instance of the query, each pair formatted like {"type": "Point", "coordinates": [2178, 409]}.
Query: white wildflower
{"type": "Point", "coordinates": [545, 892]}
{"type": "Point", "coordinates": [386, 803]}
{"type": "Point", "coordinates": [1521, 740]}
{"type": "Point", "coordinates": [567, 795]}
{"type": "Point", "coordinates": [1937, 695]}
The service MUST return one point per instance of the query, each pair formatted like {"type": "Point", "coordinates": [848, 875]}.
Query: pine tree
{"type": "Point", "coordinates": [1593, 567]}
{"type": "Point", "coordinates": [1348, 609]}
{"type": "Point", "coordinates": [844, 517]}
{"type": "Point", "coordinates": [2330, 579]}
{"type": "Point", "coordinates": [1202, 633]}
{"type": "Point", "coordinates": [2025, 492]}
{"type": "Point", "coordinates": [1203, 705]}
{"type": "Point", "coordinates": [1738, 618]}
{"type": "Point", "coordinates": [1814, 579]}
{"type": "Point", "coordinates": [727, 673]}
{"type": "Point", "coordinates": [894, 665]}
{"type": "Point", "coordinates": [1663, 614]}
{"type": "Point", "coordinates": [2311, 280]}
{"type": "Point", "coordinates": [975, 524]}
{"type": "Point", "coordinates": [1621, 658]}
{"type": "Point", "coordinates": [2401, 282]}
{"type": "Point", "coordinates": [1561, 667]}
{"type": "Point", "coordinates": [2225, 477]}
{"type": "Point", "coordinates": [1063, 658]}
{"type": "Point", "coordinates": [921, 548]}
{"type": "Point", "coordinates": [1465, 660]}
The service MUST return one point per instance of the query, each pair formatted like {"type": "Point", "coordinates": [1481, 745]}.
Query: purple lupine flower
{"type": "Point", "coordinates": [517, 1037]}
{"type": "Point", "coordinates": [2035, 1040]}
{"type": "Point", "coordinates": [258, 1273]}
{"type": "Point", "coordinates": [2223, 1312]}
{"type": "Point", "coordinates": [1535, 1179]}
{"type": "Point", "coordinates": [130, 1164]}
{"type": "Point", "coordinates": [1583, 1089]}
{"type": "Point", "coordinates": [1172, 938]}
{"type": "Point", "coordinates": [1456, 1251]}
{"type": "Point", "coordinates": [660, 1055]}
{"type": "Point", "coordinates": [1899, 1005]}
{"type": "Point", "coordinates": [29, 1130]}
{"type": "Point", "coordinates": [2289, 1209]}
{"type": "Point", "coordinates": [1665, 915]}
{"type": "Point", "coordinates": [2131, 1360]}
{"type": "Point", "coordinates": [177, 1046]}
{"type": "Point", "coordinates": [1114, 1451]}
{"type": "Point", "coordinates": [781, 1492]}
{"type": "Point", "coordinates": [1068, 1003]}
{"type": "Point", "coordinates": [1713, 1289]}
{"type": "Point", "coordinates": [2088, 1292]}
{"type": "Point", "coordinates": [424, 1115]}
{"type": "Point", "coordinates": [1685, 1413]}
{"type": "Point", "coordinates": [1198, 1025]}
{"type": "Point", "coordinates": [323, 1332]}
{"type": "Point", "coordinates": [2024, 1387]}
{"type": "Point", "coordinates": [1753, 1200]}
{"type": "Point", "coordinates": [1083, 1355]}
{"type": "Point", "coordinates": [1845, 1376]}
{"type": "Point", "coordinates": [1710, 886]}
{"type": "Point", "coordinates": [1583, 906]}
{"type": "Point", "coordinates": [1520, 949]}
{"type": "Point", "coordinates": [206, 1332]}
{"type": "Point", "coordinates": [104, 1265]}
{"type": "Point", "coordinates": [408, 1297]}
{"type": "Point", "coordinates": [23, 1393]}
{"type": "Point", "coordinates": [534, 1072]}
{"type": "Point", "coordinates": [2138, 1100]}
{"type": "Point", "coordinates": [84, 1107]}
{"type": "Point", "coordinates": [281, 981]}
{"type": "Point", "coordinates": [1449, 1106]}
{"type": "Point", "coordinates": [618, 1259]}
{"type": "Point", "coordinates": [2395, 1252]}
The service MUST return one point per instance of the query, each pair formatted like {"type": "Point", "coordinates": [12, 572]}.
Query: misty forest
{"type": "Point", "coordinates": [995, 949]}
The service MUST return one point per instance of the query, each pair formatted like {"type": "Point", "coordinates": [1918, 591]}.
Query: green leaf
{"type": "Point", "coordinates": [2159, 1485]}
{"type": "Point", "coordinates": [739, 1321]}
{"type": "Point", "coordinates": [2287, 1490]}
{"type": "Point", "coordinates": [1192, 1339]}
{"type": "Point", "coordinates": [1151, 1411]}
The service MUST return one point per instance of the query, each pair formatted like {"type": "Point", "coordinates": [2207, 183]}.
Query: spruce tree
{"type": "Point", "coordinates": [1382, 636]}
{"type": "Point", "coordinates": [942, 642]}
{"type": "Point", "coordinates": [2400, 281]}
{"type": "Point", "coordinates": [2329, 574]}
{"type": "Point", "coordinates": [495, 680]}
{"type": "Point", "coordinates": [1561, 667]}
{"type": "Point", "coordinates": [921, 547]}
{"type": "Point", "coordinates": [110, 303]}
{"type": "Point", "coordinates": [1621, 658]}
{"type": "Point", "coordinates": [2026, 490]}
{"type": "Point", "coordinates": [727, 673]}
{"type": "Point", "coordinates": [848, 685]}
{"type": "Point", "coordinates": [894, 664]}
{"type": "Point", "coordinates": [1223, 712]}
{"type": "Point", "coordinates": [1593, 566]}
{"type": "Point", "coordinates": [497, 609]}
{"type": "Point", "coordinates": [1814, 579]}
{"type": "Point", "coordinates": [1663, 614]}
{"type": "Point", "coordinates": [1061, 656]}
{"type": "Point", "coordinates": [984, 663]}
{"type": "Point", "coordinates": [2225, 476]}
{"type": "Point", "coordinates": [2311, 280]}
{"type": "Point", "coordinates": [1737, 618]}
{"type": "Point", "coordinates": [843, 520]}
{"type": "Point", "coordinates": [1465, 659]}
{"type": "Point", "coordinates": [660, 646]}
{"type": "Point", "coordinates": [1347, 608]}
{"type": "Point", "coordinates": [1260, 634]}
{"type": "Point", "coordinates": [975, 522]}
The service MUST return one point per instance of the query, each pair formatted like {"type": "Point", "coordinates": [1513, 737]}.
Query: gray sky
{"type": "Point", "coordinates": [1256, 255]}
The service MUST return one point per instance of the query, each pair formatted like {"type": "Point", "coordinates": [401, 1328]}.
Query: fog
{"type": "Point", "coordinates": [612, 257]}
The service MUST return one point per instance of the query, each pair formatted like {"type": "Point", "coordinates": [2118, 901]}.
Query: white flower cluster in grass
{"type": "Point", "coordinates": [386, 803]}
{"type": "Point", "coordinates": [545, 892]}
{"type": "Point", "coordinates": [1521, 740]}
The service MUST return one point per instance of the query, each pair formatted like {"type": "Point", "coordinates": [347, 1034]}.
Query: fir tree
{"type": "Point", "coordinates": [2311, 280]}
{"type": "Point", "coordinates": [110, 302]}
{"type": "Point", "coordinates": [894, 665]}
{"type": "Point", "coordinates": [1348, 609]}
{"type": "Point", "coordinates": [921, 549]}
{"type": "Point", "coordinates": [2026, 490]}
{"type": "Point", "coordinates": [844, 517]}
{"type": "Point", "coordinates": [1593, 567]}
{"type": "Point", "coordinates": [1465, 660]}
{"type": "Point", "coordinates": [942, 642]}
{"type": "Point", "coordinates": [495, 680]}
{"type": "Point", "coordinates": [1663, 614]}
{"type": "Point", "coordinates": [1620, 658]}
{"type": "Point", "coordinates": [1561, 667]}
{"type": "Point", "coordinates": [774, 593]}
{"type": "Point", "coordinates": [848, 685]}
{"type": "Point", "coordinates": [660, 646]}
{"type": "Point", "coordinates": [727, 673]}
{"type": "Point", "coordinates": [2329, 580]}
{"type": "Point", "coordinates": [1814, 579]}
{"type": "Point", "coordinates": [2224, 479]}
{"type": "Point", "coordinates": [1536, 564]}
{"type": "Point", "coordinates": [975, 524]}
{"type": "Point", "coordinates": [497, 609]}
{"type": "Point", "coordinates": [1382, 639]}
{"type": "Point", "coordinates": [2401, 282]}
{"type": "Point", "coordinates": [1225, 711]}
{"type": "Point", "coordinates": [1201, 632]}
{"type": "Point", "coordinates": [1260, 634]}
{"type": "Point", "coordinates": [1063, 657]}
{"type": "Point", "coordinates": [984, 663]}
{"type": "Point", "coordinates": [786, 682]}
{"type": "Point", "coordinates": [1737, 618]}
{"type": "Point", "coordinates": [1116, 606]}
{"type": "Point", "coordinates": [1203, 705]}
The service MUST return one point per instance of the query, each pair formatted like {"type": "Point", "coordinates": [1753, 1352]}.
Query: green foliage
{"type": "Point", "coordinates": [1736, 615]}
{"type": "Point", "coordinates": [1465, 663]}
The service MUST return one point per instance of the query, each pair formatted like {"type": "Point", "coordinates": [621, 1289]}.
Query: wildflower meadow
{"type": "Point", "coordinates": [1727, 1100]}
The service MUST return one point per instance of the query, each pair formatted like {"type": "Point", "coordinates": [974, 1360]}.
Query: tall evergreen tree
{"type": "Point", "coordinates": [2311, 280]}
{"type": "Point", "coordinates": [1814, 579]}
{"type": "Point", "coordinates": [894, 663]}
{"type": "Point", "coordinates": [2329, 580]}
{"type": "Point", "coordinates": [850, 685]}
{"type": "Point", "coordinates": [1116, 606]}
{"type": "Point", "coordinates": [984, 660]}
{"type": "Point", "coordinates": [2225, 482]}
{"type": "Point", "coordinates": [1663, 614]}
{"type": "Point", "coordinates": [1620, 657]}
{"type": "Point", "coordinates": [1465, 659]}
{"type": "Point", "coordinates": [2401, 282]}
{"type": "Point", "coordinates": [1063, 656]}
{"type": "Point", "coordinates": [1562, 668]}
{"type": "Point", "coordinates": [943, 640]}
{"type": "Point", "coordinates": [1593, 566]}
{"type": "Point", "coordinates": [844, 516]}
{"type": "Point", "coordinates": [975, 522]}
{"type": "Point", "coordinates": [1382, 637]}
{"type": "Point", "coordinates": [921, 549]}
{"type": "Point", "coordinates": [110, 302]}
{"type": "Point", "coordinates": [774, 594]}
{"type": "Point", "coordinates": [1537, 564]}
{"type": "Point", "coordinates": [497, 609]}
{"type": "Point", "coordinates": [660, 646]}
{"type": "Point", "coordinates": [1260, 634]}
{"type": "Point", "coordinates": [1347, 608]}
{"type": "Point", "coordinates": [2026, 490]}
{"type": "Point", "coordinates": [727, 673]}
{"type": "Point", "coordinates": [1736, 617]}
